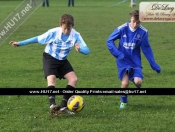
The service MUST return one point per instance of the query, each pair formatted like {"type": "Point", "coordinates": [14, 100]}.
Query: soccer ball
{"type": "Point", "coordinates": [75, 103]}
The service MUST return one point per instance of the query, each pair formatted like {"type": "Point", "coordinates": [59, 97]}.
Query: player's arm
{"type": "Point", "coordinates": [81, 46]}
{"type": "Point", "coordinates": [24, 42]}
{"type": "Point", "coordinates": [111, 45]}
{"type": "Point", "coordinates": [147, 51]}
{"type": "Point", "coordinates": [42, 39]}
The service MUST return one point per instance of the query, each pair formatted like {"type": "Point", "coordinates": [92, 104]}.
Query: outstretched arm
{"type": "Point", "coordinates": [24, 42]}
{"type": "Point", "coordinates": [146, 48]}
{"type": "Point", "coordinates": [42, 39]}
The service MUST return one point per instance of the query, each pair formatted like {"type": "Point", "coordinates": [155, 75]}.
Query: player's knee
{"type": "Point", "coordinates": [51, 80]}
{"type": "Point", "coordinates": [73, 80]}
{"type": "Point", "coordinates": [138, 81]}
{"type": "Point", "coordinates": [125, 84]}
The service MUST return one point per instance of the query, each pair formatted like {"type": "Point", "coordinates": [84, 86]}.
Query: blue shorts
{"type": "Point", "coordinates": [132, 72]}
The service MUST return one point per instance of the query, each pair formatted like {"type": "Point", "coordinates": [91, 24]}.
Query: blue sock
{"type": "Point", "coordinates": [124, 98]}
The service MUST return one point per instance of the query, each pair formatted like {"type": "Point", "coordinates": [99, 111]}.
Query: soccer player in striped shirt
{"type": "Point", "coordinates": [59, 42]}
{"type": "Point", "coordinates": [132, 38]}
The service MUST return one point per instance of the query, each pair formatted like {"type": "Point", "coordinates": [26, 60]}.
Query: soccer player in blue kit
{"type": "Point", "coordinates": [132, 37]}
{"type": "Point", "coordinates": [59, 42]}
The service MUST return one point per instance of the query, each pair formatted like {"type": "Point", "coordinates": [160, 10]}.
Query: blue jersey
{"type": "Point", "coordinates": [58, 45]}
{"type": "Point", "coordinates": [130, 43]}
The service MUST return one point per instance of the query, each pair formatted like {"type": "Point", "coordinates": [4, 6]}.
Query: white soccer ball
{"type": "Point", "coordinates": [75, 103]}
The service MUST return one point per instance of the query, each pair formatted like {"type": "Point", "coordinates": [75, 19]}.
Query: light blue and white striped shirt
{"type": "Point", "coordinates": [58, 45]}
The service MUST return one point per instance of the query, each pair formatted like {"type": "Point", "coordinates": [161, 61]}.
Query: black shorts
{"type": "Point", "coordinates": [52, 66]}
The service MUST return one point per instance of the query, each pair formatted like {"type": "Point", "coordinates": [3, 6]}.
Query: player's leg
{"type": "Point", "coordinates": [124, 84]}
{"type": "Point", "coordinates": [138, 77]}
{"type": "Point", "coordinates": [47, 2]}
{"type": "Point", "coordinates": [50, 65]}
{"type": "Point", "coordinates": [34, 2]}
{"type": "Point", "coordinates": [72, 2]}
{"type": "Point", "coordinates": [69, 2]}
{"type": "Point", "coordinates": [72, 80]}
{"type": "Point", "coordinates": [30, 2]}
{"type": "Point", "coordinates": [133, 3]}
{"type": "Point", "coordinates": [137, 82]}
{"type": "Point", "coordinates": [66, 71]}
{"type": "Point", "coordinates": [43, 3]}
{"type": "Point", "coordinates": [51, 82]}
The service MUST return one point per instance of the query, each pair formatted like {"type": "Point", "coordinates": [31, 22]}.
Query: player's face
{"type": "Point", "coordinates": [65, 29]}
{"type": "Point", "coordinates": [134, 23]}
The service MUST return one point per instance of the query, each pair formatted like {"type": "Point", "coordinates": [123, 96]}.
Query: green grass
{"type": "Point", "coordinates": [22, 68]}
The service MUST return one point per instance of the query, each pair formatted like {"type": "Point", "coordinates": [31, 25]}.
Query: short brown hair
{"type": "Point", "coordinates": [67, 19]}
{"type": "Point", "coordinates": [135, 14]}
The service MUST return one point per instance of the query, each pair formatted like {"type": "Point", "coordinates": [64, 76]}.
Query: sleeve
{"type": "Point", "coordinates": [111, 45]}
{"type": "Point", "coordinates": [46, 37]}
{"type": "Point", "coordinates": [146, 48]}
{"type": "Point", "coordinates": [28, 41]}
{"type": "Point", "coordinates": [41, 39]}
{"type": "Point", "coordinates": [83, 47]}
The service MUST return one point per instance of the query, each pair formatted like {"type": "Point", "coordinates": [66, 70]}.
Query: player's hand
{"type": "Point", "coordinates": [157, 68]}
{"type": "Point", "coordinates": [77, 47]}
{"type": "Point", "coordinates": [158, 71]}
{"type": "Point", "coordinates": [14, 44]}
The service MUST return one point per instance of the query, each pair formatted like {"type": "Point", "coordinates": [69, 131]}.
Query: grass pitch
{"type": "Point", "coordinates": [95, 20]}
